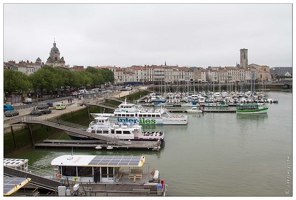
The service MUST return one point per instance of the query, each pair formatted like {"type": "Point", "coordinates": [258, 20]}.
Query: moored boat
{"type": "Point", "coordinates": [251, 108]}
{"type": "Point", "coordinates": [128, 131]}
{"type": "Point", "coordinates": [132, 113]}
{"type": "Point", "coordinates": [195, 109]}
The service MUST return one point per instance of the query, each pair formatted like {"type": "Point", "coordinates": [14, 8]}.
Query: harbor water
{"type": "Point", "coordinates": [216, 154]}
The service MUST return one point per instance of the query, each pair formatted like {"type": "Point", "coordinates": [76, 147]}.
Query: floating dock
{"type": "Point", "coordinates": [96, 144]}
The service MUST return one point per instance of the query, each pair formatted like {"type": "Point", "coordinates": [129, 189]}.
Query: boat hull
{"type": "Point", "coordinates": [75, 136]}
{"type": "Point", "coordinates": [255, 111]}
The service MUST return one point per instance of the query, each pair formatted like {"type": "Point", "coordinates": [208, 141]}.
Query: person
{"type": "Point", "coordinates": [58, 174]}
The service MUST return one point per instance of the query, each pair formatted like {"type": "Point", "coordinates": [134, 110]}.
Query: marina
{"type": "Point", "coordinates": [203, 140]}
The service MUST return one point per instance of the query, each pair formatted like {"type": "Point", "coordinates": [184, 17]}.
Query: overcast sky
{"type": "Point", "coordinates": [144, 34]}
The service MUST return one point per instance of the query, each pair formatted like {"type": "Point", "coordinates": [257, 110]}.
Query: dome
{"type": "Point", "coordinates": [54, 48]}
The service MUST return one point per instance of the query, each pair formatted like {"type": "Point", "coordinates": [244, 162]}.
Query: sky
{"type": "Point", "coordinates": [122, 35]}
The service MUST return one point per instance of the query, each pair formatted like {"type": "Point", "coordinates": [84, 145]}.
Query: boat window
{"type": "Point", "coordinates": [104, 172]}
{"type": "Point", "coordinates": [118, 132]}
{"type": "Point", "coordinates": [110, 171]}
{"type": "Point", "coordinates": [126, 132]}
{"type": "Point", "coordinates": [99, 131]}
{"type": "Point", "coordinates": [69, 171]}
{"type": "Point", "coordinates": [148, 115]}
{"type": "Point", "coordinates": [144, 115]}
{"type": "Point", "coordinates": [105, 131]}
{"type": "Point", "coordinates": [85, 171]}
{"type": "Point", "coordinates": [127, 115]}
{"type": "Point", "coordinates": [112, 131]}
{"type": "Point", "coordinates": [93, 131]}
{"type": "Point", "coordinates": [140, 115]}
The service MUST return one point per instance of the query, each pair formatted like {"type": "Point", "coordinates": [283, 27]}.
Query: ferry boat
{"type": "Point", "coordinates": [251, 108]}
{"type": "Point", "coordinates": [104, 169]}
{"type": "Point", "coordinates": [130, 132]}
{"type": "Point", "coordinates": [132, 113]}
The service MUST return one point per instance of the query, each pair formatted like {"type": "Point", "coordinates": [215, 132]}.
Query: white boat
{"type": "Point", "coordinates": [251, 108]}
{"type": "Point", "coordinates": [195, 110]}
{"type": "Point", "coordinates": [132, 113]}
{"type": "Point", "coordinates": [129, 131]}
{"type": "Point", "coordinates": [109, 169]}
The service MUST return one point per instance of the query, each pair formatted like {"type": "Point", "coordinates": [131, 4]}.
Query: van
{"type": "Point", "coordinates": [8, 107]}
{"type": "Point", "coordinates": [27, 101]}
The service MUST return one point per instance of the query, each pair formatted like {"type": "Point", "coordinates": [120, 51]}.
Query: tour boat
{"type": "Point", "coordinates": [251, 108]}
{"type": "Point", "coordinates": [128, 131]}
{"type": "Point", "coordinates": [132, 113]}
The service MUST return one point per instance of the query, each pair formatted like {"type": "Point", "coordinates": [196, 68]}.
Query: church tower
{"type": "Point", "coordinates": [244, 58]}
{"type": "Point", "coordinates": [54, 57]}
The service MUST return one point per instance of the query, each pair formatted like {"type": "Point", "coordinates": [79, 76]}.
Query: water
{"type": "Point", "coordinates": [217, 154]}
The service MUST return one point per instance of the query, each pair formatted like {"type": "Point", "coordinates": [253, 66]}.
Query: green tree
{"type": "Point", "coordinates": [15, 81]}
{"type": "Point", "coordinates": [44, 78]}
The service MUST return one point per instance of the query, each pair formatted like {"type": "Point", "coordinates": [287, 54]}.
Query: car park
{"type": "Point", "coordinates": [45, 111]}
{"type": "Point", "coordinates": [42, 105]}
{"type": "Point", "coordinates": [11, 113]}
{"type": "Point", "coordinates": [60, 106]}
{"type": "Point", "coordinates": [35, 113]}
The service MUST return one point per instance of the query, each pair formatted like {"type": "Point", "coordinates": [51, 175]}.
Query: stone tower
{"type": "Point", "coordinates": [244, 58]}
{"type": "Point", "coordinates": [54, 57]}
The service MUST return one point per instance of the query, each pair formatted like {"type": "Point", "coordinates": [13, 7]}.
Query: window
{"type": "Point", "coordinates": [104, 172]}
{"type": "Point", "coordinates": [85, 171]}
{"type": "Point", "coordinates": [118, 132]}
{"type": "Point", "coordinates": [69, 171]}
{"type": "Point", "coordinates": [110, 170]}
{"type": "Point", "coordinates": [126, 132]}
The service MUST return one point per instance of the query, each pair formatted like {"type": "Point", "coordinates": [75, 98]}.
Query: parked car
{"type": "Point", "coordinates": [35, 113]}
{"type": "Point", "coordinates": [11, 113]}
{"type": "Point", "coordinates": [8, 107]}
{"type": "Point", "coordinates": [45, 111]}
{"type": "Point", "coordinates": [50, 104]}
{"type": "Point", "coordinates": [60, 106]}
{"type": "Point", "coordinates": [42, 105]}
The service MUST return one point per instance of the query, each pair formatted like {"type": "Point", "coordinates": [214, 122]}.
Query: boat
{"type": "Point", "coordinates": [195, 109]}
{"type": "Point", "coordinates": [132, 113]}
{"type": "Point", "coordinates": [251, 108]}
{"type": "Point", "coordinates": [88, 175]}
{"type": "Point", "coordinates": [105, 169]}
{"type": "Point", "coordinates": [122, 131]}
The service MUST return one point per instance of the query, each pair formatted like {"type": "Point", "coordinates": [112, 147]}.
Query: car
{"type": "Point", "coordinates": [45, 111]}
{"type": "Point", "coordinates": [11, 113]}
{"type": "Point", "coordinates": [50, 104]}
{"type": "Point", "coordinates": [42, 105]}
{"type": "Point", "coordinates": [35, 113]}
{"type": "Point", "coordinates": [60, 106]}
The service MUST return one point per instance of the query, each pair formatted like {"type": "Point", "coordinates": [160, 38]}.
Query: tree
{"type": "Point", "coordinates": [15, 81]}
{"type": "Point", "coordinates": [44, 79]}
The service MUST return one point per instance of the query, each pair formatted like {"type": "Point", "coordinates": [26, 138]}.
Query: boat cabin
{"type": "Point", "coordinates": [94, 168]}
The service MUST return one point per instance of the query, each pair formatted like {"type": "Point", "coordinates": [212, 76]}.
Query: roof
{"type": "Point", "coordinates": [98, 161]}
{"type": "Point", "coordinates": [14, 162]}
{"type": "Point", "coordinates": [13, 184]}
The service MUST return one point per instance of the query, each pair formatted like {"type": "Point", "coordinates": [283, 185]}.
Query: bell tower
{"type": "Point", "coordinates": [244, 58]}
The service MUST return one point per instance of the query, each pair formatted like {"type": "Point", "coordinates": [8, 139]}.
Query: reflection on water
{"type": "Point", "coordinates": [252, 116]}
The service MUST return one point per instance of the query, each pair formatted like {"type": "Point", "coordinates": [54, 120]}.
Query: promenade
{"type": "Point", "coordinates": [70, 107]}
